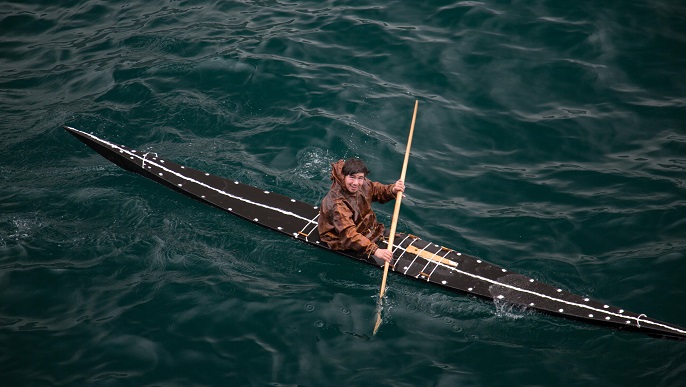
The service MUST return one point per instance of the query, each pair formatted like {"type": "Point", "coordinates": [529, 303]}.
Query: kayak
{"type": "Point", "coordinates": [412, 256]}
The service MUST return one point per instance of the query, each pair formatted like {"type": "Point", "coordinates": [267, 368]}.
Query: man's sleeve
{"type": "Point", "coordinates": [382, 193]}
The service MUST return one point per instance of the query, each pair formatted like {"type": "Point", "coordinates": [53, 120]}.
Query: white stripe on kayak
{"type": "Point", "coordinates": [638, 320]}
{"type": "Point", "coordinates": [151, 162]}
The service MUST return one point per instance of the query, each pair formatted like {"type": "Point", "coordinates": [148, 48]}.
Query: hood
{"type": "Point", "coordinates": [337, 176]}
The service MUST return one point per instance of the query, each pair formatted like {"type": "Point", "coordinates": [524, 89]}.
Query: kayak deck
{"type": "Point", "coordinates": [413, 257]}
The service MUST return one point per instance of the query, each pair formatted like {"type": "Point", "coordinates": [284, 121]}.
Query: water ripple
{"type": "Point", "coordinates": [549, 140]}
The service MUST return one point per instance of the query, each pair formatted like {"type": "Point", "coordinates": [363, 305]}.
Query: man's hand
{"type": "Point", "coordinates": [399, 186]}
{"type": "Point", "coordinates": [384, 254]}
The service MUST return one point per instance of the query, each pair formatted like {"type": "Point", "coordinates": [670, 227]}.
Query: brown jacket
{"type": "Point", "coordinates": [346, 220]}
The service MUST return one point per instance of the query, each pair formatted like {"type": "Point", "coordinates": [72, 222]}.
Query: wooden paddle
{"type": "Point", "coordinates": [394, 221]}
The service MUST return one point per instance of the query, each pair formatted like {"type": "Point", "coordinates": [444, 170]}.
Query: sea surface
{"type": "Point", "coordinates": [550, 139]}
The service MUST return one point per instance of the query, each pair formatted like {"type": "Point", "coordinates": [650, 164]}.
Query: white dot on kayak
{"type": "Point", "coordinates": [590, 315]}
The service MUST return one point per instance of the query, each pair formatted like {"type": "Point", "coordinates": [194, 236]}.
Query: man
{"type": "Point", "coordinates": [346, 218]}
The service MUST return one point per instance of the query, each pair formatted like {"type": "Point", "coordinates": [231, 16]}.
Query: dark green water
{"type": "Point", "coordinates": [550, 140]}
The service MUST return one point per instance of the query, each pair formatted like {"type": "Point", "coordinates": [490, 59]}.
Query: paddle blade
{"type": "Point", "coordinates": [377, 324]}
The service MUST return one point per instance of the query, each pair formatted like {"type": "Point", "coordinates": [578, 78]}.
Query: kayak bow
{"type": "Point", "coordinates": [413, 257]}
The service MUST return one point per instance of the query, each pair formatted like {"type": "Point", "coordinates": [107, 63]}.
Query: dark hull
{"type": "Point", "coordinates": [414, 257]}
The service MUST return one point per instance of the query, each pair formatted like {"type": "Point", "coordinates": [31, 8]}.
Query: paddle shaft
{"type": "Point", "coordinates": [398, 200]}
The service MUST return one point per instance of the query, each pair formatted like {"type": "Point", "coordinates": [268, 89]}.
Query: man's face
{"type": "Point", "coordinates": [354, 182]}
